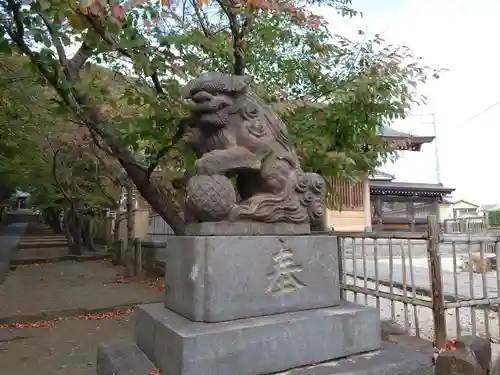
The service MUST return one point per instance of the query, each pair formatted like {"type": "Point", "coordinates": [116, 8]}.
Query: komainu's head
{"type": "Point", "coordinates": [227, 101]}
{"type": "Point", "coordinates": [216, 97]}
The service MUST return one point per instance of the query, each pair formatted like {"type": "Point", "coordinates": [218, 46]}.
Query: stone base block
{"type": "Point", "coordinates": [390, 359]}
{"type": "Point", "coordinates": [254, 346]}
{"type": "Point", "coordinates": [222, 278]}
{"type": "Point", "coordinates": [122, 359]}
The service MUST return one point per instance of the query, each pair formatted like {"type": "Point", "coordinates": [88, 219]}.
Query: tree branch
{"type": "Point", "coordinates": [238, 37]}
{"type": "Point", "coordinates": [181, 130]}
{"type": "Point", "coordinates": [55, 153]}
{"type": "Point", "coordinates": [99, 30]}
{"type": "Point", "coordinates": [81, 57]}
{"type": "Point", "coordinates": [201, 20]}
{"type": "Point", "coordinates": [56, 41]}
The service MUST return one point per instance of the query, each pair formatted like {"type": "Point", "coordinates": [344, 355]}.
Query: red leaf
{"type": "Point", "coordinates": [147, 24]}
{"type": "Point", "coordinates": [156, 283]}
{"type": "Point", "coordinates": [118, 12]}
{"type": "Point", "coordinates": [154, 372]}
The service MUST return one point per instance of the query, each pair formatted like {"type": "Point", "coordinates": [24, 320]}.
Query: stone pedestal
{"type": "Point", "coordinates": [221, 278]}
{"type": "Point", "coordinates": [249, 305]}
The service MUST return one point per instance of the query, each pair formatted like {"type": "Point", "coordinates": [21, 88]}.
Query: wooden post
{"type": "Point", "coordinates": [438, 310]}
{"type": "Point", "coordinates": [117, 252]}
{"type": "Point", "coordinates": [129, 248]}
{"type": "Point", "coordinates": [137, 257]}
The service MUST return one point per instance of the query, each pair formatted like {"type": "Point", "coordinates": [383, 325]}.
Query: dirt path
{"type": "Point", "coordinates": [68, 288]}
{"type": "Point", "coordinates": [87, 303]}
{"type": "Point", "coordinates": [68, 348]}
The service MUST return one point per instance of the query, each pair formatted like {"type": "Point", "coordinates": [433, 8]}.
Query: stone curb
{"type": "Point", "coordinates": [49, 315]}
{"type": "Point", "coordinates": [78, 258]}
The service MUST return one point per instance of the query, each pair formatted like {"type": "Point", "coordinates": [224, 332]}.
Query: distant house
{"type": "Point", "coordinates": [463, 209]}
{"type": "Point", "coordinates": [377, 202]}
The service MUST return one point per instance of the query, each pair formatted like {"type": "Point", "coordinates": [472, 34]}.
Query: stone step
{"type": "Point", "coordinates": [35, 245]}
{"type": "Point", "coordinates": [128, 359]}
{"type": "Point", "coordinates": [259, 345]}
{"type": "Point", "coordinates": [122, 359]}
{"type": "Point", "coordinates": [390, 359]}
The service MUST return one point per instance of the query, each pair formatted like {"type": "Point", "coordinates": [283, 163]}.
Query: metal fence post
{"type": "Point", "coordinates": [438, 308]}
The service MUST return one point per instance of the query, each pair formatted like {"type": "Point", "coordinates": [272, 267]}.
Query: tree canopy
{"type": "Point", "coordinates": [115, 69]}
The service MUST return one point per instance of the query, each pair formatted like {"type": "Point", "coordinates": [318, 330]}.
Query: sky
{"type": "Point", "coordinates": [458, 35]}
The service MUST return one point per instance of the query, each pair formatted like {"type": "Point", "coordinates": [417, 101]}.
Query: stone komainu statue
{"type": "Point", "coordinates": [235, 135]}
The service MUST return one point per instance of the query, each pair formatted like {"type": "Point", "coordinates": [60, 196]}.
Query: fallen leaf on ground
{"type": "Point", "coordinates": [156, 283]}
{"type": "Point", "coordinates": [38, 324]}
{"type": "Point", "coordinates": [51, 323]}
{"type": "Point", "coordinates": [120, 280]}
{"type": "Point", "coordinates": [154, 372]}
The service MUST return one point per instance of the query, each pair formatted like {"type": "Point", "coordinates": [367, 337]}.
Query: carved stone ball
{"type": "Point", "coordinates": [210, 198]}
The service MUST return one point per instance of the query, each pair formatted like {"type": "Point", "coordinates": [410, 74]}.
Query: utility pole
{"type": "Point", "coordinates": [436, 145]}
{"type": "Point", "coordinates": [436, 149]}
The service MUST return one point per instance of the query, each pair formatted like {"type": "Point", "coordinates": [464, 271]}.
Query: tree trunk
{"type": "Point", "coordinates": [67, 228]}
{"type": "Point", "coordinates": [76, 232]}
{"type": "Point", "coordinates": [87, 234]}
{"type": "Point", "coordinates": [162, 199]}
{"type": "Point", "coordinates": [91, 234]}
{"type": "Point", "coordinates": [116, 226]}
{"type": "Point", "coordinates": [51, 217]}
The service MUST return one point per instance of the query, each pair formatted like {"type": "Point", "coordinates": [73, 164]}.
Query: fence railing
{"type": "Point", "coordinates": [159, 230]}
{"type": "Point", "coordinates": [437, 286]}
{"type": "Point", "coordinates": [466, 225]}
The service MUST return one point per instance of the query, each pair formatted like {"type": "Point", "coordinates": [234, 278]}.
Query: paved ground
{"type": "Point", "coordinates": [70, 290]}
{"type": "Point", "coordinates": [69, 348]}
{"type": "Point", "coordinates": [67, 288]}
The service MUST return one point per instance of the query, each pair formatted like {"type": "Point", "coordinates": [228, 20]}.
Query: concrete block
{"type": "Point", "coordinates": [258, 345]}
{"type": "Point", "coordinates": [221, 278]}
{"type": "Point", "coordinates": [122, 359]}
{"type": "Point", "coordinates": [391, 359]}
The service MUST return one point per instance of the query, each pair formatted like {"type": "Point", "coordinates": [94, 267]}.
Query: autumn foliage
{"type": "Point", "coordinates": [334, 93]}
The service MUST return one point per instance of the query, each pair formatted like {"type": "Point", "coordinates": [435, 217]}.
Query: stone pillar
{"type": "Point", "coordinates": [367, 206]}
{"type": "Point", "coordinates": [253, 298]}
{"type": "Point", "coordinates": [141, 224]}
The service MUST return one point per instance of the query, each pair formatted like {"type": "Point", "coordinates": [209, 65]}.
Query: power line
{"type": "Point", "coordinates": [479, 113]}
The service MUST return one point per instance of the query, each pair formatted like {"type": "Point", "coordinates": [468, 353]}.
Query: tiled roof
{"type": "Point", "coordinates": [404, 141]}
{"type": "Point", "coordinates": [408, 189]}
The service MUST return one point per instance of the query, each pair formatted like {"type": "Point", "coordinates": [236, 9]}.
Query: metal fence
{"type": "Point", "coordinates": [381, 270]}
{"type": "Point", "coordinates": [437, 286]}
{"type": "Point", "coordinates": [159, 230]}
{"type": "Point", "coordinates": [473, 224]}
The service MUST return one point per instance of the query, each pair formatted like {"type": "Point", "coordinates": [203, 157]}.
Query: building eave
{"type": "Point", "coordinates": [408, 189]}
{"type": "Point", "coordinates": [404, 141]}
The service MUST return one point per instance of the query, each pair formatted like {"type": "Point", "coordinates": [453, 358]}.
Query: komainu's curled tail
{"type": "Point", "coordinates": [311, 188]}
